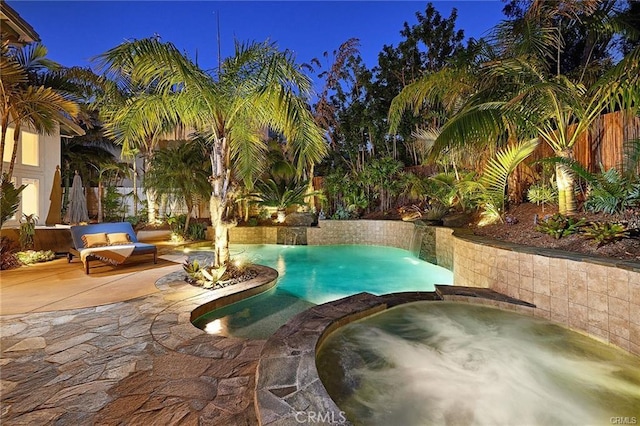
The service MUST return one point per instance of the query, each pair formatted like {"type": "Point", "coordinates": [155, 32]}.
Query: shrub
{"type": "Point", "coordinates": [611, 192]}
{"type": "Point", "coordinates": [605, 232]}
{"type": "Point", "coordinates": [341, 213]}
{"type": "Point", "coordinates": [197, 231]}
{"type": "Point", "coordinates": [435, 211]}
{"type": "Point", "coordinates": [30, 257]}
{"type": "Point", "coordinates": [542, 194]}
{"type": "Point", "coordinates": [9, 198]}
{"type": "Point", "coordinates": [8, 258]}
{"type": "Point", "coordinates": [559, 226]}
{"type": "Point", "coordinates": [27, 230]}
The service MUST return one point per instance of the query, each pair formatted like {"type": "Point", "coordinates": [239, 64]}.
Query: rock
{"type": "Point", "coordinates": [300, 219]}
{"type": "Point", "coordinates": [456, 220]}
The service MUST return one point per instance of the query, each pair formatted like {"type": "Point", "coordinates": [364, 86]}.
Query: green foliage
{"type": "Point", "coordinates": [435, 211]}
{"type": "Point", "coordinates": [27, 231]}
{"type": "Point", "coordinates": [542, 194]}
{"type": "Point", "coordinates": [342, 213]}
{"type": "Point", "coordinates": [112, 205]}
{"type": "Point", "coordinates": [8, 258]}
{"type": "Point", "coordinates": [197, 231]}
{"type": "Point", "coordinates": [253, 221]}
{"type": "Point", "coordinates": [30, 257]}
{"type": "Point", "coordinates": [9, 198]}
{"type": "Point", "coordinates": [491, 188]}
{"type": "Point", "coordinates": [611, 192]}
{"type": "Point", "coordinates": [559, 226]}
{"type": "Point", "coordinates": [212, 277]}
{"type": "Point", "coordinates": [283, 193]}
{"type": "Point", "coordinates": [604, 233]}
{"type": "Point", "coordinates": [138, 221]}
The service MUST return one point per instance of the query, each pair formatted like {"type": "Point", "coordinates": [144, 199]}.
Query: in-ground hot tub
{"type": "Point", "coordinates": [456, 363]}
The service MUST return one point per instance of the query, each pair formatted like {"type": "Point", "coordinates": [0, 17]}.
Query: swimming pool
{"type": "Point", "coordinates": [311, 275]}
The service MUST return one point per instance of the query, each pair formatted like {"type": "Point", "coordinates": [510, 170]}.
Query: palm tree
{"type": "Point", "coordinates": [559, 110]}
{"type": "Point", "coordinates": [181, 170]}
{"type": "Point", "coordinates": [24, 98]}
{"type": "Point", "coordinates": [517, 96]}
{"type": "Point", "coordinates": [259, 87]}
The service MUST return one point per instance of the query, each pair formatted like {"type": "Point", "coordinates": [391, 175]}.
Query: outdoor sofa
{"type": "Point", "coordinates": [109, 242]}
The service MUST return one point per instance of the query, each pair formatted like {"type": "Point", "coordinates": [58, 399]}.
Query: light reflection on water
{"type": "Point", "coordinates": [445, 363]}
{"type": "Point", "coordinates": [311, 275]}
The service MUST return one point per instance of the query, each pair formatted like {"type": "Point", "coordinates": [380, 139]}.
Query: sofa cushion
{"type": "Point", "coordinates": [118, 238]}
{"type": "Point", "coordinates": [98, 239]}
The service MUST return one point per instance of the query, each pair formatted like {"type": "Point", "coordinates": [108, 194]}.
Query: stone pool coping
{"type": "Point", "coordinates": [173, 327]}
{"type": "Point", "coordinates": [288, 388]}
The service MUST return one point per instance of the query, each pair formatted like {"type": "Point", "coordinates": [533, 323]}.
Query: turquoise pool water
{"type": "Point", "coordinates": [311, 275]}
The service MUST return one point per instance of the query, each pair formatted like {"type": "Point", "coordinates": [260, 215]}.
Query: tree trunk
{"type": "Point", "coordinates": [221, 232]}
{"type": "Point", "coordinates": [188, 201]}
{"type": "Point", "coordinates": [152, 217]}
{"type": "Point", "coordinates": [220, 185]}
{"type": "Point", "coordinates": [135, 186]}
{"type": "Point", "coordinates": [565, 181]}
{"type": "Point", "coordinates": [100, 191]}
{"type": "Point", "coordinates": [14, 154]}
{"type": "Point", "coordinates": [3, 140]}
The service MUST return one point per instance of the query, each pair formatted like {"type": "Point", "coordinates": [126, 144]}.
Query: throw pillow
{"type": "Point", "coordinates": [95, 240]}
{"type": "Point", "coordinates": [118, 238]}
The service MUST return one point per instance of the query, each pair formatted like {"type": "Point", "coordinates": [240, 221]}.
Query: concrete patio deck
{"type": "Point", "coordinates": [116, 347]}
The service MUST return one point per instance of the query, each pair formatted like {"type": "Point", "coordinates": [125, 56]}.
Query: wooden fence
{"type": "Point", "coordinates": [603, 144]}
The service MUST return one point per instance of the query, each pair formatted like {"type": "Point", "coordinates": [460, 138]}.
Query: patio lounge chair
{"type": "Point", "coordinates": [110, 242]}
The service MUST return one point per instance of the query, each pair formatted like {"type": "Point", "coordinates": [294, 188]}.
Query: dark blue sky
{"type": "Point", "coordinates": [75, 31]}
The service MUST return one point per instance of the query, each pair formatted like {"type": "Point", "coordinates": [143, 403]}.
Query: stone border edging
{"type": "Point", "coordinates": [467, 235]}
{"type": "Point", "coordinates": [172, 327]}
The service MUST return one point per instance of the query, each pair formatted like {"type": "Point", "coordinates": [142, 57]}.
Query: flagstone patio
{"type": "Point", "coordinates": [117, 347]}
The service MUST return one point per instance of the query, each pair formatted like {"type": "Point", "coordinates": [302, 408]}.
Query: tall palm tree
{"type": "Point", "coordinates": [258, 87]}
{"type": "Point", "coordinates": [559, 110]}
{"type": "Point", "coordinates": [183, 171]}
{"type": "Point", "coordinates": [518, 95]}
{"type": "Point", "coordinates": [24, 98]}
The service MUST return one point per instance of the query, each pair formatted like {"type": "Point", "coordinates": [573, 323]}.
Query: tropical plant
{"type": "Point", "coordinates": [9, 198]}
{"type": "Point", "coordinates": [610, 192]}
{"type": "Point", "coordinates": [603, 233]}
{"type": "Point", "coordinates": [213, 277]}
{"type": "Point", "coordinates": [342, 213]}
{"type": "Point", "coordinates": [27, 230]}
{"type": "Point", "coordinates": [25, 99]}
{"type": "Point", "coordinates": [435, 211]}
{"type": "Point", "coordinates": [258, 87]}
{"type": "Point", "coordinates": [516, 94]}
{"type": "Point", "coordinates": [542, 194]}
{"type": "Point", "coordinates": [181, 171]}
{"type": "Point", "coordinates": [491, 188]}
{"type": "Point", "coordinates": [559, 110]}
{"type": "Point", "coordinates": [197, 231]}
{"type": "Point", "coordinates": [8, 257]}
{"type": "Point", "coordinates": [283, 193]}
{"type": "Point", "coordinates": [559, 226]}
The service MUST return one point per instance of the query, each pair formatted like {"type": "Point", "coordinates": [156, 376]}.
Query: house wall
{"type": "Point", "coordinates": [49, 156]}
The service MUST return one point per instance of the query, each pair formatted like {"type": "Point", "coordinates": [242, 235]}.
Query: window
{"type": "Point", "coordinates": [30, 196]}
{"type": "Point", "coordinates": [30, 149]}
{"type": "Point", "coordinates": [8, 147]}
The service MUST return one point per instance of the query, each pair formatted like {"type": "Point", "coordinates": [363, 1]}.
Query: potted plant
{"type": "Point", "coordinates": [27, 231]}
